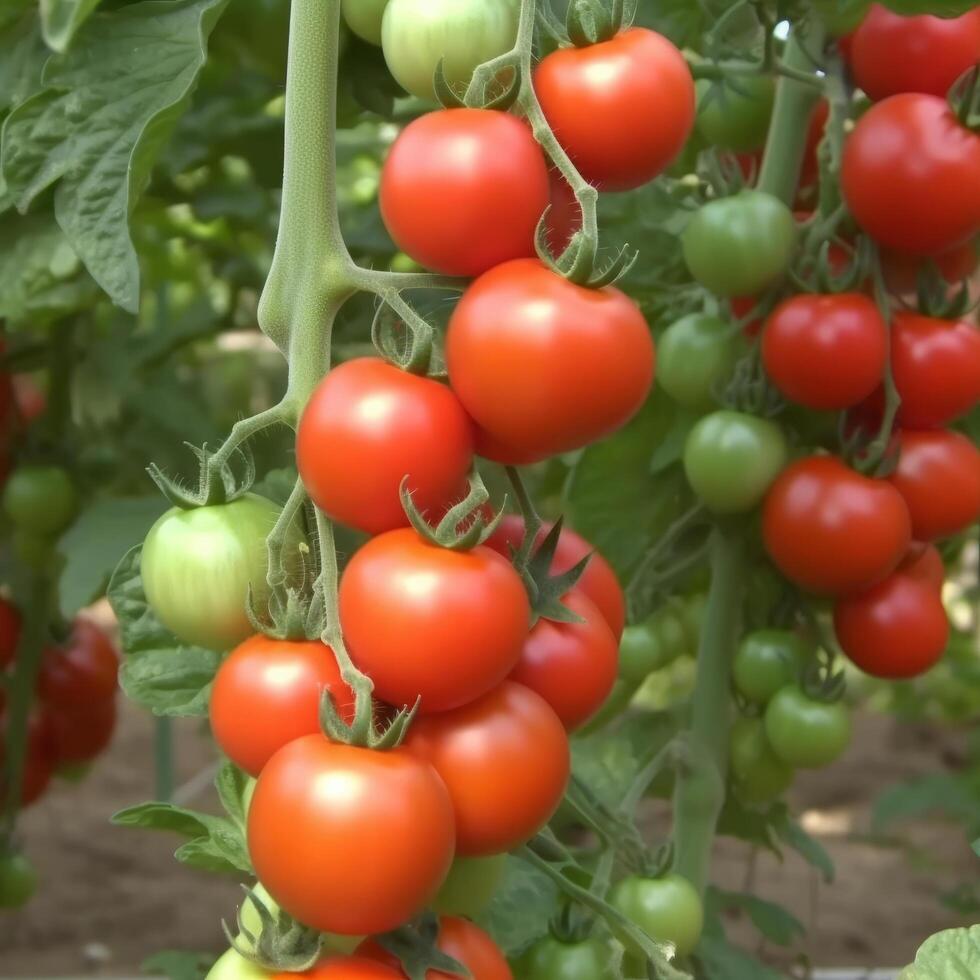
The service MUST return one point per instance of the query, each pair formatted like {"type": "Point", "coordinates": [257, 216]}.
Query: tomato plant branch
{"type": "Point", "coordinates": [532, 520]}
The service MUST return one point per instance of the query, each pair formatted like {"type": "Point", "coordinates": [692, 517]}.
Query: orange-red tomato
{"type": "Point", "coordinates": [923, 562]}
{"type": "Point", "coordinates": [598, 581]}
{"type": "Point", "coordinates": [80, 733]}
{"type": "Point", "coordinates": [350, 840]}
{"type": "Point", "coordinates": [505, 761]}
{"type": "Point", "coordinates": [573, 666]}
{"type": "Point", "coordinates": [466, 943]}
{"type": "Point", "coordinates": [345, 968]}
{"type": "Point", "coordinates": [369, 425]}
{"type": "Point", "coordinates": [544, 366]}
{"type": "Point", "coordinates": [83, 670]}
{"type": "Point", "coordinates": [938, 476]}
{"type": "Point", "coordinates": [896, 629]}
{"type": "Point", "coordinates": [424, 621]}
{"type": "Point", "coordinates": [622, 109]}
{"type": "Point", "coordinates": [831, 530]}
{"type": "Point", "coordinates": [463, 190]}
{"type": "Point", "coordinates": [267, 693]}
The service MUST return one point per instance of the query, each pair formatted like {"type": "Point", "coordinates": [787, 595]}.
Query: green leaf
{"type": "Point", "coordinates": [23, 58]}
{"type": "Point", "coordinates": [795, 837]}
{"type": "Point", "coordinates": [177, 964]}
{"type": "Point", "coordinates": [774, 922]}
{"type": "Point", "coordinates": [232, 785]}
{"type": "Point", "coordinates": [950, 955]}
{"type": "Point", "coordinates": [60, 19]}
{"type": "Point", "coordinates": [158, 671]}
{"type": "Point", "coordinates": [95, 129]}
{"type": "Point", "coordinates": [523, 906]}
{"type": "Point", "coordinates": [938, 8]}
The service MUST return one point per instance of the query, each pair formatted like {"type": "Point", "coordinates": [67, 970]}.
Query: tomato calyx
{"type": "Point", "coordinates": [819, 682]}
{"type": "Point", "coordinates": [590, 22]}
{"type": "Point", "coordinates": [836, 267]}
{"type": "Point", "coordinates": [282, 944]}
{"type": "Point", "coordinates": [414, 946]}
{"type": "Point", "coordinates": [935, 298]}
{"type": "Point", "coordinates": [544, 589]}
{"type": "Point", "coordinates": [465, 525]}
{"type": "Point", "coordinates": [964, 99]}
{"type": "Point", "coordinates": [579, 263]}
{"type": "Point", "coordinates": [217, 484]}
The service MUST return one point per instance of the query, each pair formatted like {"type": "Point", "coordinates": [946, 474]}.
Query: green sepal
{"type": "Point", "coordinates": [210, 491]}
{"type": "Point", "coordinates": [414, 946]}
{"type": "Point", "coordinates": [406, 341]}
{"type": "Point", "coordinates": [283, 945]}
{"type": "Point", "coordinates": [464, 526]}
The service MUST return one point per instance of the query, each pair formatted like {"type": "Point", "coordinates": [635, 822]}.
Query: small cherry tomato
{"type": "Point", "coordinates": [924, 562]}
{"type": "Point", "coordinates": [554, 959]}
{"type": "Point", "coordinates": [80, 733]}
{"type": "Point", "coordinates": [82, 670]}
{"type": "Point", "coordinates": [696, 355]}
{"type": "Point", "coordinates": [760, 775]}
{"type": "Point", "coordinates": [736, 116]}
{"type": "Point", "coordinates": [767, 661]}
{"type": "Point", "coordinates": [806, 733]}
{"type": "Point", "coordinates": [667, 909]}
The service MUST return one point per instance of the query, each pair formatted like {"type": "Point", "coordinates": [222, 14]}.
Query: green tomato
{"type": "Point", "coordinates": [740, 245]}
{"type": "Point", "coordinates": [470, 885]}
{"type": "Point", "coordinates": [40, 499]}
{"type": "Point", "coordinates": [767, 661]}
{"type": "Point", "coordinates": [197, 566]}
{"type": "Point", "coordinates": [695, 609]}
{"type": "Point", "coordinates": [231, 965]}
{"type": "Point", "coordinates": [695, 356]}
{"type": "Point", "coordinates": [364, 17]}
{"type": "Point", "coordinates": [760, 775]}
{"type": "Point", "coordinates": [840, 17]}
{"type": "Point", "coordinates": [250, 921]}
{"type": "Point", "coordinates": [417, 34]}
{"type": "Point", "coordinates": [805, 733]}
{"type": "Point", "coordinates": [731, 459]}
{"type": "Point", "coordinates": [667, 909]}
{"type": "Point", "coordinates": [18, 881]}
{"type": "Point", "coordinates": [736, 116]}
{"type": "Point", "coordinates": [652, 645]}
{"type": "Point", "coordinates": [552, 959]}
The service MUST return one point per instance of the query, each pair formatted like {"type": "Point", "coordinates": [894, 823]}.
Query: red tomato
{"type": "Point", "coordinates": [622, 109]}
{"type": "Point", "coordinates": [505, 761]}
{"type": "Point", "coordinates": [901, 271]}
{"type": "Point", "coordinates": [80, 733]}
{"type": "Point", "coordinates": [350, 840]}
{"type": "Point", "coordinates": [31, 400]}
{"type": "Point", "coordinates": [911, 175]}
{"type": "Point", "coordinates": [831, 530]}
{"type": "Point", "coordinates": [896, 629]}
{"type": "Point", "coordinates": [343, 968]}
{"type": "Point", "coordinates": [923, 562]}
{"type": "Point", "coordinates": [267, 693]}
{"type": "Point", "coordinates": [573, 666]}
{"type": "Point", "coordinates": [598, 581]}
{"type": "Point", "coordinates": [938, 476]}
{"type": "Point", "coordinates": [367, 426]}
{"type": "Point", "coordinates": [83, 670]}
{"type": "Point", "coordinates": [466, 943]}
{"type": "Point", "coordinates": [891, 53]}
{"type": "Point", "coordinates": [423, 621]}
{"type": "Point", "coordinates": [826, 352]}
{"type": "Point", "coordinates": [544, 366]}
{"type": "Point", "coordinates": [463, 190]}
{"type": "Point", "coordinates": [10, 624]}
{"type": "Point", "coordinates": [39, 760]}
{"type": "Point", "coordinates": [936, 366]}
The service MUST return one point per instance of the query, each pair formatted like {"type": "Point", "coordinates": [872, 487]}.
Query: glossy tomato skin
{"type": "Point", "coordinates": [936, 366]}
{"type": "Point", "coordinates": [895, 630]}
{"type": "Point", "coordinates": [81, 671]}
{"type": "Point", "coordinates": [891, 54]}
{"type": "Point", "coordinates": [505, 761]}
{"type": "Point", "coordinates": [80, 733]}
{"type": "Point", "coordinates": [911, 175]}
{"type": "Point", "coordinates": [350, 840]}
{"type": "Point", "coordinates": [465, 942]}
{"type": "Point", "coordinates": [599, 582]}
{"type": "Point", "coordinates": [806, 733]}
{"type": "Point", "coordinates": [267, 693]}
{"type": "Point", "coordinates": [552, 959]}
{"type": "Point", "coordinates": [666, 909]}
{"type": "Point", "coordinates": [10, 626]}
{"type": "Point", "coordinates": [736, 119]}
{"type": "Point", "coordinates": [544, 366]}
{"type": "Point", "coordinates": [424, 621]}
{"type": "Point", "coordinates": [621, 109]}
{"type": "Point", "coordinates": [826, 352]}
{"type": "Point", "coordinates": [923, 562]}
{"type": "Point", "coordinates": [573, 666]}
{"type": "Point", "coordinates": [484, 176]}
{"type": "Point", "coordinates": [696, 355]}
{"type": "Point", "coordinates": [364, 18]}
{"type": "Point", "coordinates": [938, 476]}
{"type": "Point", "coordinates": [731, 459]}
{"type": "Point", "coordinates": [344, 968]}
{"type": "Point", "coordinates": [831, 530]}
{"type": "Point", "coordinates": [369, 425]}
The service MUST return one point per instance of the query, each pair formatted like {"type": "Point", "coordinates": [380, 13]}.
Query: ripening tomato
{"type": "Point", "coordinates": [466, 943]}
{"type": "Point", "coordinates": [79, 733]}
{"type": "Point", "coordinates": [571, 665]}
{"type": "Point", "coordinates": [424, 621]}
{"type": "Point", "coordinates": [484, 176]}
{"type": "Point", "coordinates": [10, 625]}
{"type": "Point", "coordinates": [622, 109]}
{"type": "Point", "coordinates": [544, 366]}
{"type": "Point", "coordinates": [891, 53]}
{"type": "Point", "coordinates": [267, 693]}
{"type": "Point", "coordinates": [897, 629]}
{"type": "Point", "coordinates": [82, 670]}
{"type": "Point", "coordinates": [831, 530]}
{"type": "Point", "coordinates": [350, 840]}
{"type": "Point", "coordinates": [367, 427]}
{"type": "Point", "coordinates": [598, 581]}
{"type": "Point", "coordinates": [923, 562]}
{"type": "Point", "coordinates": [938, 476]}
{"type": "Point", "coordinates": [911, 175]}
{"type": "Point", "coordinates": [505, 761]}
{"type": "Point", "coordinates": [936, 366]}
{"type": "Point", "coordinates": [826, 352]}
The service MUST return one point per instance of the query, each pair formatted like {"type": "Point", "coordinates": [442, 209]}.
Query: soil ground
{"type": "Point", "coordinates": [111, 896]}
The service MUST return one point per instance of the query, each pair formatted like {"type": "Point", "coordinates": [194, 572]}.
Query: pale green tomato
{"type": "Point", "coordinates": [250, 921]}
{"type": "Point", "coordinates": [364, 18]}
{"type": "Point", "coordinates": [470, 885]}
{"type": "Point", "coordinates": [417, 34]}
{"type": "Point", "coordinates": [232, 965]}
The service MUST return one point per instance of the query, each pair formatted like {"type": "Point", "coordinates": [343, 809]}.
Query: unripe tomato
{"type": "Point", "coordinates": [897, 629]}
{"type": "Point", "coordinates": [470, 886]}
{"type": "Point", "coordinates": [554, 959]}
{"type": "Point", "coordinates": [767, 661]}
{"type": "Point", "coordinates": [40, 499]}
{"type": "Point", "coordinates": [621, 109]}
{"type": "Point", "coordinates": [364, 18]}
{"type": "Point", "coordinates": [485, 177]}
{"type": "Point", "coordinates": [231, 965]}
{"type": "Point", "coordinates": [544, 366]}
{"type": "Point", "coordinates": [366, 428]}
{"type": "Point", "coordinates": [505, 761]}
{"type": "Point", "coordinates": [806, 733]}
{"type": "Point", "coordinates": [695, 357]}
{"type": "Point", "coordinates": [736, 117]}
{"type": "Point", "coordinates": [667, 909]}
{"type": "Point", "coordinates": [760, 775]}
{"type": "Point", "coordinates": [18, 881]}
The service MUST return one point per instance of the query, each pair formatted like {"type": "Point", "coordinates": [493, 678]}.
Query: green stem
{"type": "Point", "coordinates": [700, 788]}
{"type": "Point", "coordinates": [163, 758]}
{"type": "Point", "coordinates": [532, 520]}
